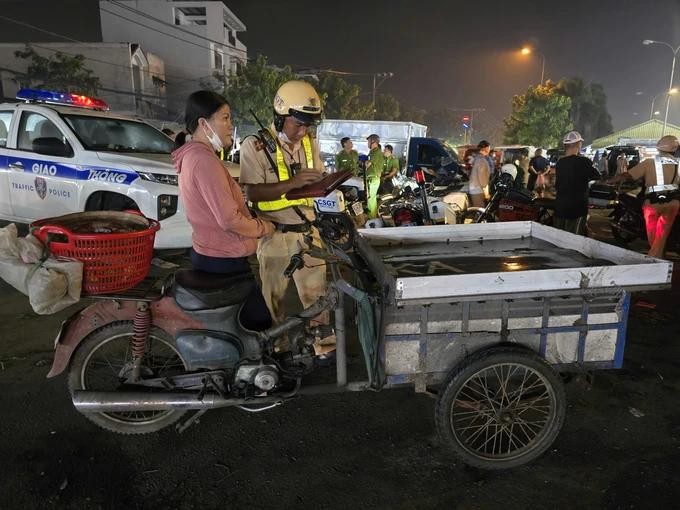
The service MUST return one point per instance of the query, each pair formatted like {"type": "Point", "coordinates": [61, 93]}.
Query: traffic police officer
{"type": "Point", "coordinates": [347, 158]}
{"type": "Point", "coordinates": [374, 168]}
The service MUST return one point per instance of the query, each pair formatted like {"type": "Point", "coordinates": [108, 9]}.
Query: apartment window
{"type": "Point", "coordinates": [190, 16]}
{"type": "Point", "coordinates": [218, 61]}
{"type": "Point", "coordinates": [230, 34]}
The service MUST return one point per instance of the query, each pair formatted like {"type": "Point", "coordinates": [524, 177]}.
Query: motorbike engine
{"type": "Point", "coordinates": [263, 377]}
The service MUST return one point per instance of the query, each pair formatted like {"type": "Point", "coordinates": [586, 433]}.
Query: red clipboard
{"type": "Point", "coordinates": [320, 188]}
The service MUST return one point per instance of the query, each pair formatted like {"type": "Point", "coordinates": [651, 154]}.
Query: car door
{"type": "Point", "coordinates": [42, 182]}
{"type": "Point", "coordinates": [5, 204]}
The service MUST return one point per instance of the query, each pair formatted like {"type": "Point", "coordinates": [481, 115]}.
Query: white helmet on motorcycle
{"type": "Point", "coordinates": [510, 169]}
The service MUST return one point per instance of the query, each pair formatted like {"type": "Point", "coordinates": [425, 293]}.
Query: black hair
{"type": "Point", "coordinates": [344, 140]}
{"type": "Point", "coordinates": [180, 139]}
{"type": "Point", "coordinates": [389, 148]}
{"type": "Point", "coordinates": [202, 103]}
{"type": "Point", "coordinates": [483, 144]}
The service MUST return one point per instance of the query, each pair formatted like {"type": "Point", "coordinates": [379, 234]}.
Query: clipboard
{"type": "Point", "coordinates": [322, 187]}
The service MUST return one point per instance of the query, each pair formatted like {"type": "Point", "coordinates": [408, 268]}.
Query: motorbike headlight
{"type": "Point", "coordinates": [159, 178]}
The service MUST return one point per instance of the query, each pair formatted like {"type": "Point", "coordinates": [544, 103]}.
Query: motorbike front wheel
{"type": "Point", "coordinates": [103, 362]}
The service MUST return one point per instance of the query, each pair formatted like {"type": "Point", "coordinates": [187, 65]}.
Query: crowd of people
{"type": "Point", "coordinates": [226, 231]}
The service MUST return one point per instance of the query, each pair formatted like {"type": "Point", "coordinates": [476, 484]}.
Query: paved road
{"type": "Point", "coordinates": [619, 448]}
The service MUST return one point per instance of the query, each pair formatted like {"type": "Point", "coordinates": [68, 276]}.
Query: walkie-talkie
{"type": "Point", "coordinates": [268, 141]}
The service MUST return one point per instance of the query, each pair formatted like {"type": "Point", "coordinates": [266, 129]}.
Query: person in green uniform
{"type": "Point", "coordinates": [374, 169]}
{"type": "Point", "coordinates": [347, 158]}
{"type": "Point", "coordinates": [390, 169]}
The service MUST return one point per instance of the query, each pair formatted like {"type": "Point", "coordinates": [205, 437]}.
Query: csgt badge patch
{"type": "Point", "coordinates": [41, 187]}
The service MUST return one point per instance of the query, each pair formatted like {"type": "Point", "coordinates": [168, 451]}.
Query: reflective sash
{"type": "Point", "coordinates": [661, 186]}
{"type": "Point", "coordinates": [282, 168]}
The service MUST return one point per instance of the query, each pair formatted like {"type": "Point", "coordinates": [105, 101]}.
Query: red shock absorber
{"type": "Point", "coordinates": [140, 331]}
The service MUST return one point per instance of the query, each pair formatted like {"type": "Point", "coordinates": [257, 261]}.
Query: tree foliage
{"type": "Point", "coordinates": [540, 117]}
{"type": "Point", "coordinates": [386, 107]}
{"type": "Point", "coordinates": [59, 72]}
{"type": "Point", "coordinates": [341, 100]}
{"type": "Point", "coordinates": [253, 86]}
{"type": "Point", "coordinates": [588, 110]}
{"type": "Point", "coordinates": [442, 123]}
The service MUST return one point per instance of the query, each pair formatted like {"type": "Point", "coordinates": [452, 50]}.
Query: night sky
{"type": "Point", "coordinates": [443, 53]}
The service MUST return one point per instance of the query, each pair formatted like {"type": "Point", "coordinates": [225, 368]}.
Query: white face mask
{"type": "Point", "coordinates": [212, 137]}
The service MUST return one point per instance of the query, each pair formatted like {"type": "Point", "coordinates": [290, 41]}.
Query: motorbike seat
{"type": "Point", "coordinates": [548, 203]}
{"type": "Point", "coordinates": [197, 290]}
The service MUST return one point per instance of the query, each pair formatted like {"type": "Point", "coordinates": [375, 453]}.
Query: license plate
{"type": "Point", "coordinates": [357, 208]}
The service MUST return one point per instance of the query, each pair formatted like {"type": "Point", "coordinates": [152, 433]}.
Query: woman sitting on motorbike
{"type": "Point", "coordinates": [224, 232]}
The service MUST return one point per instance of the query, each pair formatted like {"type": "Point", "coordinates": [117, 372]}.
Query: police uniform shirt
{"type": "Point", "coordinates": [256, 169]}
{"type": "Point", "coordinates": [347, 161]}
{"type": "Point", "coordinates": [377, 159]}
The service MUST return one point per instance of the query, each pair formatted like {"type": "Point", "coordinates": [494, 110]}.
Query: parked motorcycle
{"type": "Point", "coordinates": [509, 204]}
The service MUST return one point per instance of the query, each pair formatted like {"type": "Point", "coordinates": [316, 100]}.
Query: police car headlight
{"type": "Point", "coordinates": [159, 178]}
{"type": "Point", "coordinates": [167, 206]}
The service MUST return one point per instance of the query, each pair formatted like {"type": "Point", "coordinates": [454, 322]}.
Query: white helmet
{"type": "Point", "coordinates": [509, 169]}
{"type": "Point", "coordinates": [298, 99]}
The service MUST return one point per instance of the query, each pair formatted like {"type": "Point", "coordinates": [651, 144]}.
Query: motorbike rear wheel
{"type": "Point", "coordinates": [103, 361]}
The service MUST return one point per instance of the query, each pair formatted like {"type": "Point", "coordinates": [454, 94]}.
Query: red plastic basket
{"type": "Point", "coordinates": [112, 262]}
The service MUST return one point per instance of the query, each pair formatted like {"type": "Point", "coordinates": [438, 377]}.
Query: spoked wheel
{"type": "Point", "coordinates": [339, 229]}
{"type": "Point", "coordinates": [501, 409]}
{"type": "Point", "coordinates": [103, 361]}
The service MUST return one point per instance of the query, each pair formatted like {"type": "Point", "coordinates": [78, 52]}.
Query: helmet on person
{"type": "Point", "coordinates": [668, 143]}
{"type": "Point", "coordinates": [297, 99]}
{"type": "Point", "coordinates": [572, 137]}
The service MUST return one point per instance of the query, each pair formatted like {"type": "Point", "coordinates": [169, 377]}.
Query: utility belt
{"type": "Point", "coordinates": [662, 193]}
{"type": "Point", "coordinates": [299, 228]}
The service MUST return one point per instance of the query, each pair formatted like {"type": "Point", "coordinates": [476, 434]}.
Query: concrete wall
{"type": "Point", "coordinates": [188, 56]}
{"type": "Point", "coordinates": [112, 63]}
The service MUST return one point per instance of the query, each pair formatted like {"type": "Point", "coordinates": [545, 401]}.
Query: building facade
{"type": "Point", "coordinates": [195, 39]}
{"type": "Point", "coordinates": [132, 81]}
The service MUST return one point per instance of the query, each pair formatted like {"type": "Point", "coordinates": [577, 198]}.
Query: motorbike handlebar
{"type": "Point", "coordinates": [296, 262]}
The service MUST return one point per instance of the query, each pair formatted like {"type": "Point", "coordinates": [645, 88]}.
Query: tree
{"type": "Point", "coordinates": [253, 86]}
{"type": "Point", "coordinates": [411, 114]}
{"type": "Point", "coordinates": [59, 72]}
{"type": "Point", "coordinates": [341, 99]}
{"type": "Point", "coordinates": [540, 117]}
{"type": "Point", "coordinates": [588, 110]}
{"type": "Point", "coordinates": [386, 107]}
{"type": "Point", "coordinates": [442, 123]}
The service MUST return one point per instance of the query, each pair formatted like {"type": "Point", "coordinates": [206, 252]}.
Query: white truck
{"type": "Point", "coordinates": [64, 153]}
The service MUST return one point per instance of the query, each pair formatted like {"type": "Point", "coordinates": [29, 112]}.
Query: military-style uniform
{"type": "Point", "coordinates": [391, 163]}
{"type": "Point", "coordinates": [347, 161]}
{"type": "Point", "coordinates": [274, 252]}
{"type": "Point", "coordinates": [377, 162]}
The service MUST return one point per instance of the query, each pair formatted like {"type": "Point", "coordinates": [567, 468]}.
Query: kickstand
{"type": "Point", "coordinates": [194, 418]}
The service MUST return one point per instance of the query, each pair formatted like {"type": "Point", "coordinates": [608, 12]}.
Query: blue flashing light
{"type": "Point", "coordinates": [63, 98]}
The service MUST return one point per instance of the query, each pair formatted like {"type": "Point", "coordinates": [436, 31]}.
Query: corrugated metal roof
{"type": "Point", "coordinates": [650, 130]}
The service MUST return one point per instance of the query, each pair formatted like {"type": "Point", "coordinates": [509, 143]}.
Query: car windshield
{"type": "Point", "coordinates": [453, 153]}
{"type": "Point", "coordinates": [118, 135]}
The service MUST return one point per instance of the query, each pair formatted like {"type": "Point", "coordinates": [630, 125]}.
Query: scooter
{"type": "Point", "coordinates": [136, 363]}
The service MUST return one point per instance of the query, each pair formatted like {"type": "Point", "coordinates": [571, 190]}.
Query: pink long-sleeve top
{"type": "Point", "coordinates": [222, 225]}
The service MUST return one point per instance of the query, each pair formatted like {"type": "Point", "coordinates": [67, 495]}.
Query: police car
{"type": "Point", "coordinates": [62, 153]}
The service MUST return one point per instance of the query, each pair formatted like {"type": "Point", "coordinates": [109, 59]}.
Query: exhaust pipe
{"type": "Point", "coordinates": [115, 401]}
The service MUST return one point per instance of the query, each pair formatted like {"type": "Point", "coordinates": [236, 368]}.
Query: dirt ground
{"type": "Point", "coordinates": [619, 447]}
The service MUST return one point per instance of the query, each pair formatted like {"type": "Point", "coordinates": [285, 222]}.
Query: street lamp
{"type": "Point", "coordinates": [675, 51]}
{"type": "Point", "coordinates": [528, 51]}
{"type": "Point", "coordinates": [670, 92]}
{"type": "Point", "coordinates": [384, 76]}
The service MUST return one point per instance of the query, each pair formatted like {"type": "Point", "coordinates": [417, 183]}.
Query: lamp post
{"type": "Point", "coordinates": [674, 90]}
{"type": "Point", "coordinates": [528, 51]}
{"type": "Point", "coordinates": [384, 76]}
{"type": "Point", "coordinates": [675, 51]}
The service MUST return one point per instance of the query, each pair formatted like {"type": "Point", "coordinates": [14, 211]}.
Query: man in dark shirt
{"type": "Point", "coordinates": [537, 166]}
{"type": "Point", "coordinates": [573, 173]}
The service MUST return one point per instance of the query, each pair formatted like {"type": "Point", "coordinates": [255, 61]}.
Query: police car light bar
{"type": "Point", "coordinates": [63, 98]}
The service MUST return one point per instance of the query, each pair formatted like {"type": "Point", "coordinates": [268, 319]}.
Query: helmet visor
{"type": "Point", "coordinates": [309, 119]}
